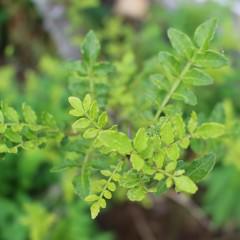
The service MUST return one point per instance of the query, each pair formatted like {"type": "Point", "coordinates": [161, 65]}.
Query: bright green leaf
{"type": "Point", "coordinates": [81, 123]}
{"type": "Point", "coordinates": [116, 141]}
{"type": "Point", "coordinates": [210, 130]}
{"type": "Point", "coordinates": [197, 77]}
{"type": "Point", "coordinates": [211, 59]}
{"type": "Point", "coordinates": [205, 33]}
{"type": "Point", "coordinates": [181, 43]}
{"type": "Point", "coordinates": [141, 140]}
{"type": "Point", "coordinates": [137, 161]}
{"type": "Point", "coordinates": [185, 184]}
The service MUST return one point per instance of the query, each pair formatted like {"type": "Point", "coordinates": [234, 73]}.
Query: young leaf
{"type": "Point", "coordinates": [90, 133]}
{"type": "Point", "coordinates": [159, 158]}
{"type": "Point", "coordinates": [170, 167]}
{"type": "Point", "coordinates": [141, 140]}
{"type": "Point", "coordinates": [103, 120]}
{"type": "Point", "coordinates": [210, 130]}
{"type": "Point", "coordinates": [136, 194]}
{"type": "Point", "coordinates": [181, 43]}
{"type": "Point", "coordinates": [173, 152]}
{"type": "Point", "coordinates": [197, 77]}
{"type": "Point", "coordinates": [166, 133]}
{"type": "Point", "coordinates": [91, 198]}
{"type": "Point", "coordinates": [211, 59]}
{"type": "Point", "coordinates": [11, 114]}
{"type": "Point", "coordinates": [193, 122]}
{"type": "Point", "coordinates": [185, 184]}
{"type": "Point", "coordinates": [137, 161]}
{"type": "Point", "coordinates": [81, 123]}
{"type": "Point", "coordinates": [116, 141]}
{"type": "Point", "coordinates": [205, 33]}
{"type": "Point", "coordinates": [186, 95]}
{"type": "Point", "coordinates": [29, 115]}
{"type": "Point", "coordinates": [95, 209]}
{"type": "Point", "coordinates": [159, 176]}
{"type": "Point", "coordinates": [90, 48]}
{"type": "Point", "coordinates": [200, 168]}
{"type": "Point", "coordinates": [87, 101]}
{"type": "Point", "coordinates": [76, 103]}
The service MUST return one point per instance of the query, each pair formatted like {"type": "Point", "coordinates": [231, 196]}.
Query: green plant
{"type": "Point", "coordinates": [149, 161]}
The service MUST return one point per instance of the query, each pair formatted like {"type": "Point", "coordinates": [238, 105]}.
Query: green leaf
{"type": "Point", "coordinates": [167, 133]}
{"type": "Point", "coordinates": [90, 48]}
{"type": "Point", "coordinates": [103, 120]}
{"type": "Point", "coordinates": [91, 198]}
{"type": "Point", "coordinates": [170, 167]}
{"type": "Point", "coordinates": [87, 101]}
{"type": "Point", "coordinates": [193, 122]}
{"type": "Point", "coordinates": [169, 182]}
{"type": "Point", "coordinates": [137, 161]}
{"type": "Point", "coordinates": [107, 194]}
{"type": "Point", "coordinates": [29, 115]}
{"type": "Point", "coordinates": [11, 114]}
{"type": "Point", "coordinates": [3, 128]}
{"type": "Point", "coordinates": [168, 63]}
{"type": "Point", "coordinates": [3, 148]}
{"type": "Point", "coordinates": [12, 136]}
{"type": "Point", "coordinates": [181, 43]}
{"type": "Point", "coordinates": [130, 179]}
{"type": "Point", "coordinates": [197, 77]}
{"type": "Point", "coordinates": [93, 112]}
{"type": "Point", "coordinates": [136, 194]}
{"type": "Point", "coordinates": [159, 158]}
{"type": "Point", "coordinates": [205, 33]}
{"type": "Point", "coordinates": [186, 95]}
{"type": "Point", "coordinates": [90, 133]}
{"type": "Point", "coordinates": [106, 173]}
{"type": "Point", "coordinates": [184, 142]}
{"type": "Point", "coordinates": [179, 126]}
{"type": "Point", "coordinates": [141, 140]}
{"type": "Point", "coordinates": [173, 152]}
{"type": "Point", "coordinates": [116, 141]}
{"type": "Point", "coordinates": [159, 176]}
{"type": "Point", "coordinates": [211, 59]}
{"type": "Point", "coordinates": [95, 209]}
{"type": "Point", "coordinates": [81, 123]}
{"type": "Point", "coordinates": [185, 184]}
{"type": "Point", "coordinates": [112, 186]}
{"type": "Point", "coordinates": [76, 103]}
{"type": "Point", "coordinates": [201, 167]}
{"type": "Point", "coordinates": [209, 130]}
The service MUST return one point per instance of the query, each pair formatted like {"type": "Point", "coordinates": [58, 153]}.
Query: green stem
{"type": "Point", "coordinates": [85, 161]}
{"type": "Point", "coordinates": [110, 179]}
{"type": "Point", "coordinates": [174, 87]}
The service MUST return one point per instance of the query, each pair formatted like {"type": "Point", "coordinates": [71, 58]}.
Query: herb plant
{"type": "Point", "coordinates": [106, 156]}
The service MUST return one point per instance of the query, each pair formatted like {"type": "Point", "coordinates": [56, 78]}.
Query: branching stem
{"type": "Point", "coordinates": [174, 87]}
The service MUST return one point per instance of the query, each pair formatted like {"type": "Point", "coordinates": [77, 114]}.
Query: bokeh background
{"type": "Point", "coordinates": [37, 39]}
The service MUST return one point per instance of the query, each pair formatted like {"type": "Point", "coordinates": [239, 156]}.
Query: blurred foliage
{"type": "Point", "coordinates": [30, 194]}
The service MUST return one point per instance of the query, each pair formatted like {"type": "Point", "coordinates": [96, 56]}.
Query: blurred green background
{"type": "Point", "coordinates": [38, 38]}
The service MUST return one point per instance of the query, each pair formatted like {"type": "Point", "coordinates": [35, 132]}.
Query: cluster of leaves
{"type": "Point", "coordinates": [151, 161]}
{"type": "Point", "coordinates": [27, 132]}
{"type": "Point", "coordinates": [90, 75]}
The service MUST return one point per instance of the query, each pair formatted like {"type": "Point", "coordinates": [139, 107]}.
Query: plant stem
{"type": "Point", "coordinates": [85, 161]}
{"type": "Point", "coordinates": [110, 179]}
{"type": "Point", "coordinates": [174, 87]}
